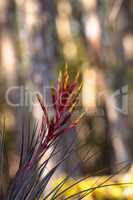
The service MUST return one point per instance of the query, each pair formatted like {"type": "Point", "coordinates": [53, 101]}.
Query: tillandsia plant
{"type": "Point", "coordinates": [29, 183]}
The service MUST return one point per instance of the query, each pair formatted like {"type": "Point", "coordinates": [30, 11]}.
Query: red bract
{"type": "Point", "coordinates": [64, 101]}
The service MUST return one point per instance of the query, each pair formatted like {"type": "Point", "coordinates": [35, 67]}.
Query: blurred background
{"type": "Point", "coordinates": [95, 37]}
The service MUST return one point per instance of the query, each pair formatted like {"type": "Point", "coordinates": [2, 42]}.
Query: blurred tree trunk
{"type": "Point", "coordinates": [122, 26]}
{"type": "Point", "coordinates": [35, 24]}
{"type": "Point", "coordinates": [96, 32]}
{"type": "Point", "coordinates": [7, 80]}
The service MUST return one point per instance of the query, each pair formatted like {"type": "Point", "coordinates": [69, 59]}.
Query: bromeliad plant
{"type": "Point", "coordinates": [29, 183]}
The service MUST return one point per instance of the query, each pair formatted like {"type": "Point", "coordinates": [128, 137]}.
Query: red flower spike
{"type": "Point", "coordinates": [64, 102]}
